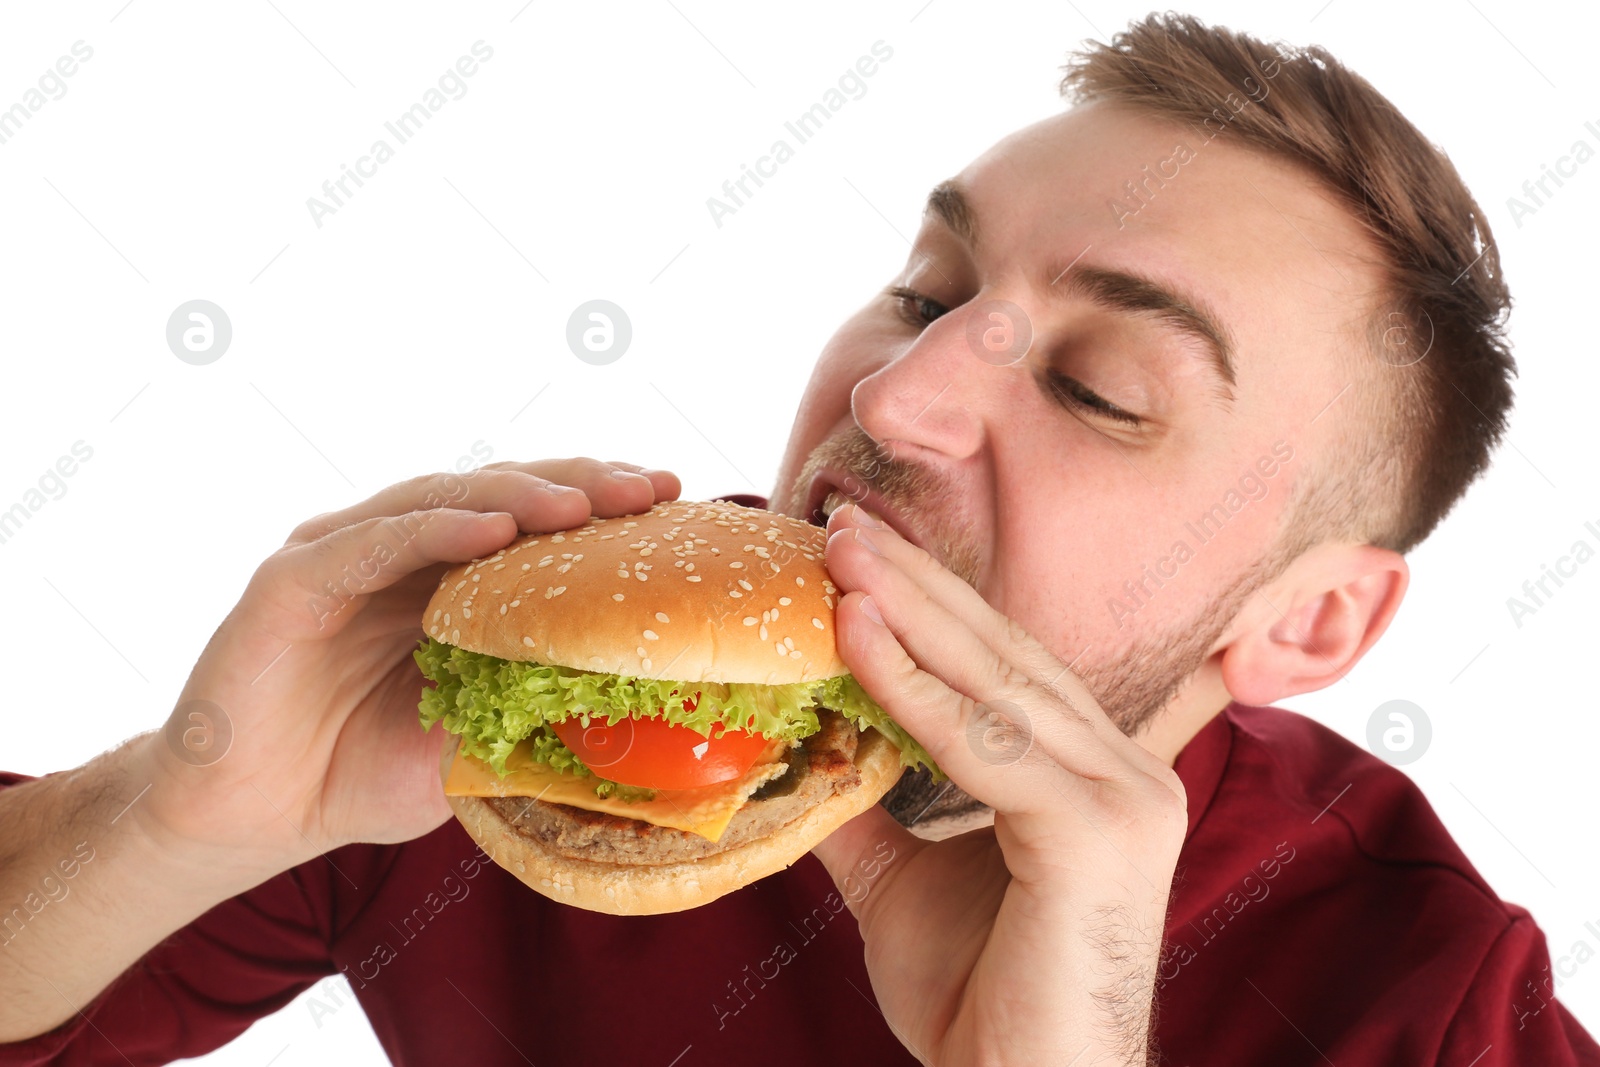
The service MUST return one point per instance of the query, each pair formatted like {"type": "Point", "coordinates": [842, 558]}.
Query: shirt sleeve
{"type": "Point", "coordinates": [1510, 1014]}
{"type": "Point", "coordinates": [201, 987]}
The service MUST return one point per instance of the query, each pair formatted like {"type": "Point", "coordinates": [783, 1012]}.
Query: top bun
{"type": "Point", "coordinates": [687, 591]}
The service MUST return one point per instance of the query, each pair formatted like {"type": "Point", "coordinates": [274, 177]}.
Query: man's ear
{"type": "Point", "coordinates": [1310, 626]}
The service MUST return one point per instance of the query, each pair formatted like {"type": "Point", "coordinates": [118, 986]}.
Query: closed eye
{"type": "Point", "coordinates": [1074, 394]}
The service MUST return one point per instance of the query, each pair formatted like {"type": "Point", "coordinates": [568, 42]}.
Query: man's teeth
{"type": "Point", "coordinates": [833, 502]}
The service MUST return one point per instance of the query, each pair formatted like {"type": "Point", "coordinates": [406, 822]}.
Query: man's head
{"type": "Point", "coordinates": [1175, 377]}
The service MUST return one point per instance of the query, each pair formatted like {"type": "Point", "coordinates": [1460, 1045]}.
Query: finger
{"type": "Point", "coordinates": [312, 591]}
{"type": "Point", "coordinates": [1008, 641]}
{"type": "Point", "coordinates": [858, 854]}
{"type": "Point", "coordinates": [537, 504]}
{"type": "Point", "coordinates": [946, 723]}
{"type": "Point", "coordinates": [613, 488]}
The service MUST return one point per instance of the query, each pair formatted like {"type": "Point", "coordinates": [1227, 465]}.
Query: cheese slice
{"type": "Point", "coordinates": [705, 811]}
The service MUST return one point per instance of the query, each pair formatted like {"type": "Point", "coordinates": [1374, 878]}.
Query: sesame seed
{"type": "Point", "coordinates": [788, 642]}
{"type": "Point", "coordinates": [477, 577]}
{"type": "Point", "coordinates": [694, 577]}
{"type": "Point", "coordinates": [436, 614]}
{"type": "Point", "coordinates": [547, 561]}
{"type": "Point", "coordinates": [735, 593]}
{"type": "Point", "coordinates": [762, 633]}
{"type": "Point", "coordinates": [785, 601]}
{"type": "Point", "coordinates": [514, 603]}
{"type": "Point", "coordinates": [646, 663]}
{"type": "Point", "coordinates": [616, 596]}
{"type": "Point", "coordinates": [640, 650]}
{"type": "Point", "coordinates": [746, 586]}
{"type": "Point", "coordinates": [799, 580]}
{"type": "Point", "coordinates": [781, 650]}
{"type": "Point", "coordinates": [447, 619]}
{"type": "Point", "coordinates": [661, 616]}
{"type": "Point", "coordinates": [795, 654]}
{"type": "Point", "coordinates": [557, 539]}
{"type": "Point", "coordinates": [499, 566]}
{"type": "Point", "coordinates": [466, 612]}
{"type": "Point", "coordinates": [641, 575]}
{"type": "Point", "coordinates": [749, 620]}
{"type": "Point", "coordinates": [502, 609]}
{"type": "Point", "coordinates": [527, 566]}
{"type": "Point", "coordinates": [461, 583]}
{"type": "Point", "coordinates": [566, 555]}
{"type": "Point", "coordinates": [455, 637]}
{"type": "Point", "coordinates": [736, 565]}
{"type": "Point", "coordinates": [560, 589]}
{"type": "Point", "coordinates": [564, 568]}
{"type": "Point", "coordinates": [818, 624]}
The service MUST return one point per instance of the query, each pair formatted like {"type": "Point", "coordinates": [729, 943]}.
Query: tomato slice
{"type": "Point", "coordinates": [656, 754]}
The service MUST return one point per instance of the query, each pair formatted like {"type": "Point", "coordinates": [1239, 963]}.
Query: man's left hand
{"type": "Point", "coordinates": [1036, 940]}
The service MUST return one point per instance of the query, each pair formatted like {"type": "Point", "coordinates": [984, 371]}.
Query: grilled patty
{"type": "Point", "coordinates": [820, 766]}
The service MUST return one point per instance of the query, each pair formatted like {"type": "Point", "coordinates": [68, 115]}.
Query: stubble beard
{"type": "Point", "coordinates": [1133, 685]}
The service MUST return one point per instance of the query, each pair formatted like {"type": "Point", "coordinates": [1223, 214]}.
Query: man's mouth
{"type": "Point", "coordinates": [830, 503]}
{"type": "Point", "coordinates": [826, 497]}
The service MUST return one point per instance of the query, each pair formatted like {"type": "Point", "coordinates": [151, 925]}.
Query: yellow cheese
{"type": "Point", "coordinates": [705, 811]}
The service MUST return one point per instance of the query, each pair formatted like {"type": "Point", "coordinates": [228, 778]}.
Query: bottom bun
{"type": "Point", "coordinates": [637, 889]}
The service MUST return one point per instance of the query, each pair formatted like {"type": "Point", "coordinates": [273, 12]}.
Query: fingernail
{"type": "Point", "coordinates": [867, 518]}
{"type": "Point", "coordinates": [490, 516]}
{"type": "Point", "coordinates": [554, 488]}
{"type": "Point", "coordinates": [870, 610]}
{"type": "Point", "coordinates": [619, 473]}
{"type": "Point", "coordinates": [866, 542]}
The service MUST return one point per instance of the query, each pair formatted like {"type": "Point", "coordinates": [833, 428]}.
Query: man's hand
{"type": "Point", "coordinates": [297, 731]}
{"type": "Point", "coordinates": [312, 672]}
{"type": "Point", "coordinates": [1036, 940]}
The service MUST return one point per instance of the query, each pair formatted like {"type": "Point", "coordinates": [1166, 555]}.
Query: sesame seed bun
{"type": "Point", "coordinates": [695, 592]}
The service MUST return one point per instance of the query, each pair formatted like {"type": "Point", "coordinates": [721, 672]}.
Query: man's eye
{"type": "Point", "coordinates": [914, 307]}
{"type": "Point", "coordinates": [1075, 394]}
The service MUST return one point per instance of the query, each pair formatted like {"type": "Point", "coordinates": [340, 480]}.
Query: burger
{"type": "Point", "coordinates": [650, 710]}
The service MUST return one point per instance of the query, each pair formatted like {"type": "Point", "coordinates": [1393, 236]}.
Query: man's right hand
{"type": "Point", "coordinates": [296, 732]}
{"type": "Point", "coordinates": [311, 673]}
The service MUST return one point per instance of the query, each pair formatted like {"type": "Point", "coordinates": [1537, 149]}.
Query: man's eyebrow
{"type": "Point", "coordinates": [1112, 290]}
{"type": "Point", "coordinates": [1116, 290]}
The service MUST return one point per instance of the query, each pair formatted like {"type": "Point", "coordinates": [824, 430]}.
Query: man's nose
{"type": "Point", "coordinates": [954, 384]}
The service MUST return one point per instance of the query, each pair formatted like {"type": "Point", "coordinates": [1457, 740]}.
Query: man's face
{"type": "Point", "coordinates": [1109, 485]}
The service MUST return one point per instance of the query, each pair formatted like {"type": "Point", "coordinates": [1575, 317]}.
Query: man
{"type": "Point", "coordinates": [1131, 448]}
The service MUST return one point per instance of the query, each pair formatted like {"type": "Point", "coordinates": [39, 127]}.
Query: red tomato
{"type": "Point", "coordinates": [656, 754]}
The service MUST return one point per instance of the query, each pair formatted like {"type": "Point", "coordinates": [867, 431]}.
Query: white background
{"type": "Point", "coordinates": [426, 314]}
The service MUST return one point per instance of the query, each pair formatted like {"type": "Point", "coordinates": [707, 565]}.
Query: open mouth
{"type": "Point", "coordinates": [825, 501]}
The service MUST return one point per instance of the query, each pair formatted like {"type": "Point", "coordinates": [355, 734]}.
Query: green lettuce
{"type": "Point", "coordinates": [494, 703]}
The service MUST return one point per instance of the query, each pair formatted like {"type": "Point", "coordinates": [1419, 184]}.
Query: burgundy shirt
{"type": "Point", "coordinates": [1320, 913]}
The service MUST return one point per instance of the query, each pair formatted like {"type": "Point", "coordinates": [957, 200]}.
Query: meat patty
{"type": "Point", "coordinates": [820, 766]}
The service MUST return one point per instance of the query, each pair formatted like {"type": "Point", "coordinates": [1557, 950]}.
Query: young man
{"type": "Point", "coordinates": [1131, 448]}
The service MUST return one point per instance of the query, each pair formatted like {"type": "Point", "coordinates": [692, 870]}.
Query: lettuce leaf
{"type": "Point", "coordinates": [495, 703]}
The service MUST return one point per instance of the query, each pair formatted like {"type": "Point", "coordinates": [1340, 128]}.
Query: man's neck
{"type": "Point", "coordinates": [1202, 700]}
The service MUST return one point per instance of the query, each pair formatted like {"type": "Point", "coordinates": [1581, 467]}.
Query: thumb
{"type": "Point", "coordinates": [860, 853]}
